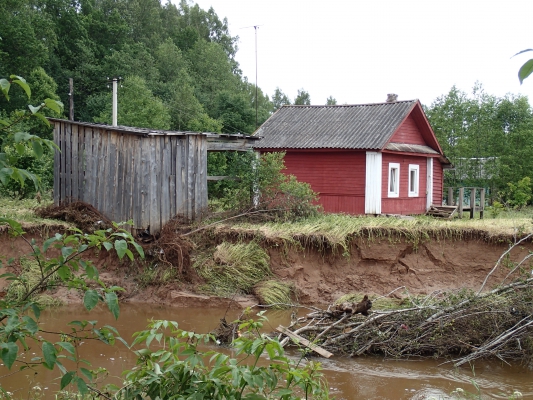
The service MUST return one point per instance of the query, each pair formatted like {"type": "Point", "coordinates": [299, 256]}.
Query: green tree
{"type": "Point", "coordinates": [137, 106]}
{"type": "Point", "coordinates": [27, 37]}
{"type": "Point", "coordinates": [303, 98]}
{"type": "Point", "coordinates": [331, 101]}
{"type": "Point", "coordinates": [235, 112]}
{"type": "Point", "coordinates": [279, 99]}
{"type": "Point", "coordinates": [488, 139]}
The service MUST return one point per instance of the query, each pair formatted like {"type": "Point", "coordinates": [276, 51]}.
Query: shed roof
{"type": "Point", "coordinates": [361, 126]}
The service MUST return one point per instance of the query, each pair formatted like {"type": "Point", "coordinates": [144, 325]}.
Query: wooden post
{"type": "Point", "coordinates": [482, 203]}
{"type": "Point", "coordinates": [460, 201]}
{"type": "Point", "coordinates": [472, 202]}
{"type": "Point", "coordinates": [71, 99]}
{"type": "Point", "coordinates": [450, 197]}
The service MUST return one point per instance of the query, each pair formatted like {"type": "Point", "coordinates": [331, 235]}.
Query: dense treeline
{"type": "Point", "coordinates": [489, 139]}
{"type": "Point", "coordinates": [177, 62]}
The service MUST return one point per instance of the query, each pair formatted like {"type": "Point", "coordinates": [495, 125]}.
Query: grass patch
{"type": "Point", "coordinates": [233, 268]}
{"type": "Point", "coordinates": [22, 211]}
{"type": "Point", "coordinates": [337, 230]}
{"type": "Point", "coordinates": [29, 277]}
{"type": "Point", "coordinates": [275, 293]}
{"type": "Point", "coordinates": [157, 275]}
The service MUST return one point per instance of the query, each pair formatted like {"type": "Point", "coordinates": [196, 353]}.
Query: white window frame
{"type": "Point", "coordinates": [395, 192]}
{"type": "Point", "coordinates": [416, 184]}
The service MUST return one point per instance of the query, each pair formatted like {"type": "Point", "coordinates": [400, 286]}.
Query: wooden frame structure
{"type": "Point", "coordinates": [148, 176]}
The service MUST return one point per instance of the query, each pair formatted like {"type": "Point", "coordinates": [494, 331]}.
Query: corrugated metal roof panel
{"type": "Point", "coordinates": [363, 126]}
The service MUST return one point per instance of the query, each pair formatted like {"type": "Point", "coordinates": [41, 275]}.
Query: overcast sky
{"type": "Point", "coordinates": [358, 51]}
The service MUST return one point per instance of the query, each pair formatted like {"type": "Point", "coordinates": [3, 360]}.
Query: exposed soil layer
{"type": "Point", "coordinates": [321, 276]}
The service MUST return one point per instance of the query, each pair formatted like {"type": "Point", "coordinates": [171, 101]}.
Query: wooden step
{"type": "Point", "coordinates": [442, 211]}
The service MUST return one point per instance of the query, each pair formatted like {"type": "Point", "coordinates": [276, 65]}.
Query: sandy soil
{"type": "Point", "coordinates": [374, 268]}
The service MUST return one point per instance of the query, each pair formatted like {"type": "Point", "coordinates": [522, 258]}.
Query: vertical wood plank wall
{"type": "Point", "coordinates": [148, 179]}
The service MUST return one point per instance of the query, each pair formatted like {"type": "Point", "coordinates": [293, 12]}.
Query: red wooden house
{"type": "Point", "coordinates": [362, 159]}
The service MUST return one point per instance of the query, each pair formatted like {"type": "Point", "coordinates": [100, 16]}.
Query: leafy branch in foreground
{"type": "Point", "coordinates": [11, 133]}
{"type": "Point", "coordinates": [178, 369]}
{"type": "Point", "coordinates": [61, 257]}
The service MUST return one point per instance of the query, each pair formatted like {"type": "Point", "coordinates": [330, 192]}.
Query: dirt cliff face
{"type": "Point", "coordinates": [374, 267]}
{"type": "Point", "coordinates": [381, 266]}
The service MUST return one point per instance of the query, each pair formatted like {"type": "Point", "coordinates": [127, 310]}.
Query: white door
{"type": "Point", "coordinates": [373, 183]}
{"type": "Point", "coordinates": [429, 184]}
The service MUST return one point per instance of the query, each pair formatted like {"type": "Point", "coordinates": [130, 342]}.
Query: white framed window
{"type": "Point", "coordinates": [414, 179]}
{"type": "Point", "coordinates": [394, 180]}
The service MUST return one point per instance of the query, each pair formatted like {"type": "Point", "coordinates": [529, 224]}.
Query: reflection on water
{"type": "Point", "coordinates": [349, 378]}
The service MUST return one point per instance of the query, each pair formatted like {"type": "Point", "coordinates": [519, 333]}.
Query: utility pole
{"type": "Point", "coordinates": [115, 81]}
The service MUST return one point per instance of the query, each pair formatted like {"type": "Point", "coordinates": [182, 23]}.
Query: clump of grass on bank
{"type": "Point", "coordinates": [30, 277]}
{"type": "Point", "coordinates": [337, 230]}
{"type": "Point", "coordinates": [157, 274]}
{"type": "Point", "coordinates": [233, 268]}
{"type": "Point", "coordinates": [275, 293]}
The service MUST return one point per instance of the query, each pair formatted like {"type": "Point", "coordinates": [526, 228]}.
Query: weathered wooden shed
{"type": "Point", "coordinates": [361, 159]}
{"type": "Point", "coordinates": [148, 176]}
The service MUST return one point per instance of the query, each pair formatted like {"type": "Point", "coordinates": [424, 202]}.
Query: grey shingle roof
{"type": "Point", "coordinates": [363, 126]}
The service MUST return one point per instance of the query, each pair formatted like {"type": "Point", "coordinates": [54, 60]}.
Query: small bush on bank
{"type": "Point", "coordinates": [258, 183]}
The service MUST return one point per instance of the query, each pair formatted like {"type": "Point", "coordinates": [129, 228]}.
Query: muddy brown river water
{"type": "Point", "coordinates": [348, 378]}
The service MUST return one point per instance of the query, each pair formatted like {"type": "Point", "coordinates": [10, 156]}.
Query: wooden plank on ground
{"type": "Point", "coordinates": [305, 342]}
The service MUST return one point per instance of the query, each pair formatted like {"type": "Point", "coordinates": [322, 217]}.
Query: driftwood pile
{"type": "Point", "coordinates": [460, 325]}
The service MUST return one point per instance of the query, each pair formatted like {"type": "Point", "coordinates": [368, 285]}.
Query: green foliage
{"type": "Point", "coordinates": [331, 101]}
{"type": "Point", "coordinates": [42, 167]}
{"type": "Point", "coordinates": [58, 262]}
{"type": "Point", "coordinates": [260, 183]}
{"type": "Point", "coordinates": [496, 209]}
{"type": "Point", "coordinates": [518, 194]}
{"type": "Point", "coordinates": [233, 268]}
{"type": "Point", "coordinates": [303, 98]}
{"type": "Point", "coordinates": [488, 139]}
{"type": "Point", "coordinates": [15, 140]}
{"type": "Point", "coordinates": [275, 293]}
{"type": "Point", "coordinates": [138, 107]}
{"type": "Point", "coordinates": [280, 99]}
{"type": "Point", "coordinates": [177, 368]}
{"type": "Point", "coordinates": [526, 69]}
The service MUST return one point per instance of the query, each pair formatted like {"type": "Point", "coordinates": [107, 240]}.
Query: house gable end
{"type": "Point", "coordinates": [415, 129]}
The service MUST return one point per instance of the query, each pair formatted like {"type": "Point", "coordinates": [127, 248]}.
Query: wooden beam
{"type": "Point", "coordinates": [298, 339]}
{"type": "Point", "coordinates": [228, 146]}
{"type": "Point", "coordinates": [223, 178]}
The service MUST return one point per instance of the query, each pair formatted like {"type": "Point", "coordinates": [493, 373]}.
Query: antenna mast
{"type": "Point", "coordinates": [256, 27]}
{"type": "Point", "coordinates": [256, 99]}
